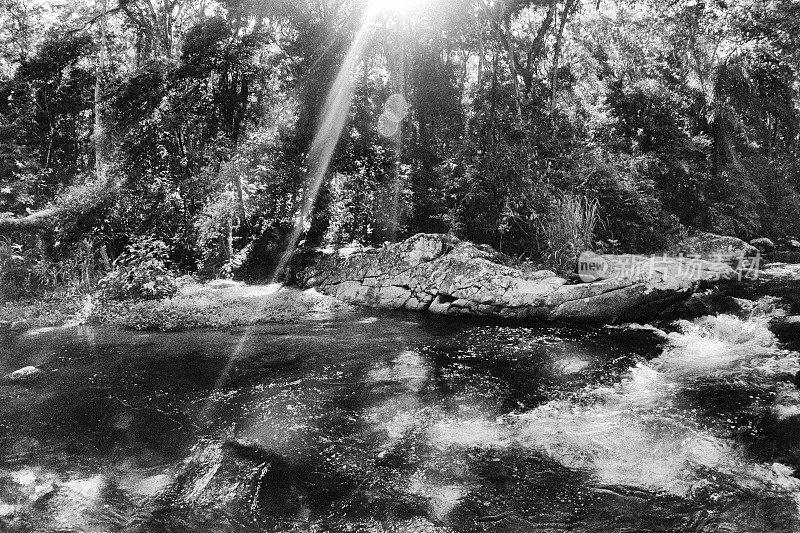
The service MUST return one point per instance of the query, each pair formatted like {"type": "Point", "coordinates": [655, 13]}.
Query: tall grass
{"type": "Point", "coordinates": [26, 273]}
{"type": "Point", "coordinates": [568, 230]}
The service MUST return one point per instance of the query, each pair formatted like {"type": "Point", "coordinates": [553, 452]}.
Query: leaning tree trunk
{"type": "Point", "coordinates": [31, 223]}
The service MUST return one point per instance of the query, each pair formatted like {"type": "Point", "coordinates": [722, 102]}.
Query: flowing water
{"type": "Point", "coordinates": [400, 422]}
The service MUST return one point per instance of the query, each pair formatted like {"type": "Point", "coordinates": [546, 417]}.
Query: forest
{"type": "Point", "coordinates": [208, 137]}
{"type": "Point", "coordinates": [400, 266]}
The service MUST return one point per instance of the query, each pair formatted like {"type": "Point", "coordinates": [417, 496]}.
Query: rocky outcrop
{"type": "Point", "coordinates": [440, 274]}
{"type": "Point", "coordinates": [716, 248]}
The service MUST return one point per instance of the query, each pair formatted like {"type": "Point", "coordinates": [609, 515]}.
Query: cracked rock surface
{"type": "Point", "coordinates": [440, 274]}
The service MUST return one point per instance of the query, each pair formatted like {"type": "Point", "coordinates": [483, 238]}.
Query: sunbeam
{"type": "Point", "coordinates": [207, 410]}
{"type": "Point", "coordinates": [334, 116]}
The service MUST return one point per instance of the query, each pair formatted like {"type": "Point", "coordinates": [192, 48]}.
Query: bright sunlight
{"type": "Point", "coordinates": [395, 6]}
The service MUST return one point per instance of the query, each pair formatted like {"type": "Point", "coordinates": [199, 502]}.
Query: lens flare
{"type": "Point", "coordinates": [394, 111]}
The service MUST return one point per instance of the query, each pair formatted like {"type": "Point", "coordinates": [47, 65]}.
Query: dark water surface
{"type": "Point", "coordinates": [388, 422]}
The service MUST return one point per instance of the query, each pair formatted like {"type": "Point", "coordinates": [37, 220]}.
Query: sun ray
{"type": "Point", "coordinates": [334, 117]}
{"type": "Point", "coordinates": [395, 6]}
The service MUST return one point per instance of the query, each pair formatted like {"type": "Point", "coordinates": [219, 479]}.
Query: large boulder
{"type": "Point", "coordinates": [763, 244]}
{"type": "Point", "coordinates": [716, 248]}
{"type": "Point", "coordinates": [440, 274]}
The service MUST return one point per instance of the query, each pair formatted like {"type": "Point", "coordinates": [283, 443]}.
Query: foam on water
{"type": "Point", "coordinates": [715, 344]}
{"type": "Point", "coordinates": [786, 403]}
{"type": "Point", "coordinates": [637, 434]}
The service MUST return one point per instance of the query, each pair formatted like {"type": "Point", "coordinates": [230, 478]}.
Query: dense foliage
{"type": "Point", "coordinates": [140, 273]}
{"type": "Point", "coordinates": [540, 127]}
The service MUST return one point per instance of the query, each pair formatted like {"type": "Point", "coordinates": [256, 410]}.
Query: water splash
{"type": "Point", "coordinates": [641, 433]}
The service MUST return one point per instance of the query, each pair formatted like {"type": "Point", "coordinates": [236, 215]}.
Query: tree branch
{"type": "Point", "coordinates": [120, 7]}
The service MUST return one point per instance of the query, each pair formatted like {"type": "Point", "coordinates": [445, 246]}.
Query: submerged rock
{"type": "Point", "coordinates": [23, 374]}
{"type": "Point", "coordinates": [233, 480]}
{"type": "Point", "coordinates": [786, 328]}
{"type": "Point", "coordinates": [441, 274]}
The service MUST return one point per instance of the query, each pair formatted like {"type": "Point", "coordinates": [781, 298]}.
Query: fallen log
{"type": "Point", "coordinates": [37, 221]}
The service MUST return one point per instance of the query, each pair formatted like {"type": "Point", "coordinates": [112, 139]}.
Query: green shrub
{"type": "Point", "coordinates": [568, 230]}
{"type": "Point", "coordinates": [632, 213]}
{"type": "Point", "coordinates": [15, 269]}
{"type": "Point", "coordinates": [28, 271]}
{"type": "Point", "coordinates": [140, 273]}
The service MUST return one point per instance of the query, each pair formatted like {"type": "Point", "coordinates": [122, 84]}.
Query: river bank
{"type": "Point", "coordinates": [196, 305]}
{"type": "Point", "coordinates": [437, 274]}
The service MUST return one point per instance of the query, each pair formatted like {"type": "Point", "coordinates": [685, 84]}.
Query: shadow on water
{"type": "Point", "coordinates": [388, 422]}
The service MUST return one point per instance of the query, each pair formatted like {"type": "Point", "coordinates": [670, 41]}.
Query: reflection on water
{"type": "Point", "coordinates": [381, 423]}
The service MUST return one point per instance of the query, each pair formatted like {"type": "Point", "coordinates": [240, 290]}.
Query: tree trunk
{"type": "Point", "coordinates": [236, 180]}
{"type": "Point", "coordinates": [557, 54]}
{"type": "Point", "coordinates": [481, 59]}
{"type": "Point", "coordinates": [512, 62]}
{"type": "Point", "coordinates": [99, 133]}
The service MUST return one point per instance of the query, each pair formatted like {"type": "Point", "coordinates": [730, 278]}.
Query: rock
{"type": "Point", "coordinates": [788, 243]}
{"type": "Point", "coordinates": [715, 248]}
{"type": "Point", "coordinates": [791, 257]}
{"type": "Point", "coordinates": [224, 284]}
{"type": "Point", "coordinates": [5, 325]}
{"type": "Point", "coordinates": [711, 302]}
{"type": "Point", "coordinates": [786, 329]}
{"type": "Point", "coordinates": [763, 244]}
{"type": "Point", "coordinates": [224, 475]}
{"type": "Point", "coordinates": [23, 374]}
{"type": "Point", "coordinates": [19, 325]}
{"type": "Point", "coordinates": [440, 274]}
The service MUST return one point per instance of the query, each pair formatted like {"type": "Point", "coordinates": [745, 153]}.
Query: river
{"type": "Point", "coordinates": [370, 421]}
